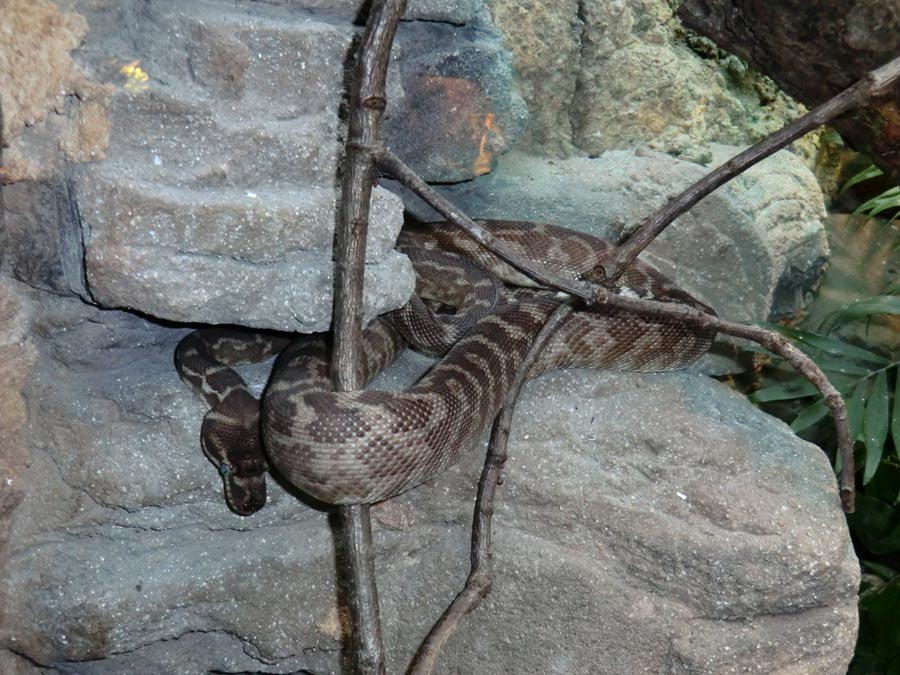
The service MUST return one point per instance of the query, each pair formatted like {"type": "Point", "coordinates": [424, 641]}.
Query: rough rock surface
{"type": "Point", "coordinates": [458, 109]}
{"type": "Point", "coordinates": [17, 356]}
{"type": "Point", "coordinates": [599, 75]}
{"type": "Point", "coordinates": [651, 523]}
{"type": "Point", "coordinates": [259, 257]}
{"type": "Point", "coordinates": [217, 213]}
{"type": "Point", "coordinates": [217, 202]}
{"type": "Point", "coordinates": [37, 81]}
{"type": "Point", "coordinates": [751, 249]}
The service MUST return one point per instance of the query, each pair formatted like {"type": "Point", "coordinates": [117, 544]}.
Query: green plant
{"type": "Point", "coordinates": [878, 647]}
{"type": "Point", "coordinates": [886, 201]}
{"type": "Point", "coordinates": [867, 380]}
{"type": "Point", "coordinates": [857, 343]}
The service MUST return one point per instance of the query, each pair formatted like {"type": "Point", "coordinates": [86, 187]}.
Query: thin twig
{"type": "Point", "coordinates": [782, 347]}
{"type": "Point", "coordinates": [389, 163]}
{"type": "Point", "coordinates": [875, 84]}
{"type": "Point", "coordinates": [775, 343]}
{"type": "Point", "coordinates": [367, 103]}
{"type": "Point", "coordinates": [598, 296]}
{"type": "Point", "coordinates": [481, 575]}
{"type": "Point", "coordinates": [362, 592]}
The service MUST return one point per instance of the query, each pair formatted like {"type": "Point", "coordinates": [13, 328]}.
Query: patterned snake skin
{"type": "Point", "coordinates": [366, 446]}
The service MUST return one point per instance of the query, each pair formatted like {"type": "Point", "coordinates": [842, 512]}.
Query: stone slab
{"type": "Point", "coordinates": [255, 257]}
{"type": "Point", "coordinates": [647, 523]}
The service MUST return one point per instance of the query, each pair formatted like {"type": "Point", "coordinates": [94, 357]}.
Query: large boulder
{"type": "Point", "coordinates": [647, 523]}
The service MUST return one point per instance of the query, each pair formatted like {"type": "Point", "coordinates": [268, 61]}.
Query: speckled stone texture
{"type": "Point", "coordinates": [647, 523]}
{"type": "Point", "coordinates": [218, 198]}
{"type": "Point", "coordinates": [603, 74]}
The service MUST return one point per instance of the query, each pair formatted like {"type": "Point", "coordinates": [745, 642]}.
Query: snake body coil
{"type": "Point", "coordinates": [365, 446]}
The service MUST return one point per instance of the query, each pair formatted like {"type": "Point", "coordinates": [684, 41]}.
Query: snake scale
{"type": "Point", "coordinates": [365, 446]}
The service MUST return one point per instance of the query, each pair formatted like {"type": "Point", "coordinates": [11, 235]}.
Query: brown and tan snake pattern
{"type": "Point", "coordinates": [366, 446]}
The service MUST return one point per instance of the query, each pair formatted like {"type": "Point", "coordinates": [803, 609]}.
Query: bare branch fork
{"type": "Point", "coordinates": [363, 150]}
{"type": "Point", "coordinates": [598, 295]}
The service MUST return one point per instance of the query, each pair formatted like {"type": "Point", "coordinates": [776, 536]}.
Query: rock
{"type": "Point", "coordinates": [751, 249]}
{"type": "Point", "coordinates": [225, 214]}
{"type": "Point", "coordinates": [217, 203]}
{"type": "Point", "coordinates": [17, 356]}
{"type": "Point", "coordinates": [449, 11]}
{"type": "Point", "coordinates": [602, 75]}
{"type": "Point", "coordinates": [46, 101]}
{"type": "Point", "coordinates": [814, 50]}
{"type": "Point", "coordinates": [459, 109]}
{"type": "Point", "coordinates": [41, 238]}
{"type": "Point", "coordinates": [651, 522]}
{"type": "Point", "coordinates": [545, 41]}
{"type": "Point", "coordinates": [35, 66]}
{"type": "Point", "coordinates": [259, 257]}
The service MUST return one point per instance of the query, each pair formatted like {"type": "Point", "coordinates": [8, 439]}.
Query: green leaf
{"type": "Point", "coordinates": [856, 407]}
{"type": "Point", "coordinates": [875, 425]}
{"type": "Point", "coordinates": [871, 171]}
{"type": "Point", "coordinates": [879, 304]}
{"type": "Point", "coordinates": [784, 391]}
{"type": "Point", "coordinates": [880, 612]}
{"type": "Point", "coordinates": [831, 346]}
{"type": "Point", "coordinates": [886, 200]}
{"type": "Point", "coordinates": [834, 365]}
{"type": "Point", "coordinates": [878, 646]}
{"type": "Point", "coordinates": [886, 483]}
{"type": "Point", "coordinates": [895, 421]}
{"type": "Point", "coordinates": [809, 416]}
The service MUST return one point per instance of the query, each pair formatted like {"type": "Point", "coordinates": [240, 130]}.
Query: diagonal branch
{"type": "Point", "coordinates": [598, 296]}
{"type": "Point", "coordinates": [394, 166]}
{"type": "Point", "coordinates": [875, 84]}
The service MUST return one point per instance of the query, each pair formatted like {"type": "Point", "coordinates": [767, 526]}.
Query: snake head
{"type": "Point", "coordinates": [231, 441]}
{"type": "Point", "coordinates": [245, 489]}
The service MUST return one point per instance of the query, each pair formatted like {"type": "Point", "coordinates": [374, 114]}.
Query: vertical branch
{"type": "Point", "coordinates": [367, 104]}
{"type": "Point", "coordinates": [481, 573]}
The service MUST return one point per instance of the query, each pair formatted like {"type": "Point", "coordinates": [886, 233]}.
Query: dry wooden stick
{"type": "Point", "coordinates": [367, 103]}
{"type": "Point", "coordinates": [395, 167]}
{"type": "Point", "coordinates": [780, 346]}
{"type": "Point", "coordinates": [597, 295]}
{"type": "Point", "coordinates": [874, 84]}
{"type": "Point", "coordinates": [481, 574]}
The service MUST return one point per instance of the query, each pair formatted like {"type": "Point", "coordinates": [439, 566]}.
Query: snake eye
{"type": "Point", "coordinates": [225, 470]}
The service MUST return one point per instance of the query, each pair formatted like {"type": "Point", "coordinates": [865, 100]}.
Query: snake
{"type": "Point", "coordinates": [471, 309]}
